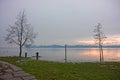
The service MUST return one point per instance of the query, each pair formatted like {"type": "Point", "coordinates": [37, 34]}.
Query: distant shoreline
{"type": "Point", "coordinates": [68, 46]}
{"type": "Point", "coordinates": [73, 46]}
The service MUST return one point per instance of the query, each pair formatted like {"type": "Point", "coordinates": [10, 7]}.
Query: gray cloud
{"type": "Point", "coordinates": [62, 21]}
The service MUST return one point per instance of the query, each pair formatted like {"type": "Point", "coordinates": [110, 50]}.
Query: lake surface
{"type": "Point", "coordinates": [73, 54]}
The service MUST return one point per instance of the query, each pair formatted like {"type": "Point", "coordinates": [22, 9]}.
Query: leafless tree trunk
{"type": "Point", "coordinates": [21, 33]}
{"type": "Point", "coordinates": [99, 39]}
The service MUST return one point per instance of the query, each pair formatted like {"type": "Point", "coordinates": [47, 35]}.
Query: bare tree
{"type": "Point", "coordinates": [99, 39]}
{"type": "Point", "coordinates": [21, 33]}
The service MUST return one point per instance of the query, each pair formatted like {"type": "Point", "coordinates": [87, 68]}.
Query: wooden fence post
{"type": "Point", "coordinates": [25, 54]}
{"type": "Point", "coordinates": [37, 56]}
{"type": "Point", "coordinates": [65, 53]}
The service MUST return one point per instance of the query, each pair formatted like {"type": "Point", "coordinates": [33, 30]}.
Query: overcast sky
{"type": "Point", "coordinates": [63, 21]}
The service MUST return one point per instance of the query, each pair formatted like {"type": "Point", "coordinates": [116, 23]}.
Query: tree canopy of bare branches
{"type": "Point", "coordinates": [21, 33]}
{"type": "Point", "coordinates": [99, 39]}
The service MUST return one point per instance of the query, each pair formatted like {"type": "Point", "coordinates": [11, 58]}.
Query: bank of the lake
{"type": "Point", "coordinates": [46, 70]}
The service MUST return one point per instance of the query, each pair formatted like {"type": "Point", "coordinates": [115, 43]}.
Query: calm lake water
{"type": "Point", "coordinates": [73, 54]}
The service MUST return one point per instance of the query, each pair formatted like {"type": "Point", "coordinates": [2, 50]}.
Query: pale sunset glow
{"type": "Point", "coordinates": [113, 39]}
{"type": "Point", "coordinates": [110, 40]}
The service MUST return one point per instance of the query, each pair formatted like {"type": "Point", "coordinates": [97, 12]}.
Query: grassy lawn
{"type": "Point", "coordinates": [45, 70]}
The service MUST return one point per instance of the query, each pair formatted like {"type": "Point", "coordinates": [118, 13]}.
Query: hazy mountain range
{"type": "Point", "coordinates": [71, 46]}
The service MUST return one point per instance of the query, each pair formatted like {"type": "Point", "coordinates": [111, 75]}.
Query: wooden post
{"type": "Point", "coordinates": [65, 53]}
{"type": "Point", "coordinates": [25, 54]}
{"type": "Point", "coordinates": [102, 57]}
{"type": "Point", "coordinates": [37, 56]}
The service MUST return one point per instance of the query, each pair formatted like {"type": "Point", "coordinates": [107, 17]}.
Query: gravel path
{"type": "Point", "coordinates": [11, 72]}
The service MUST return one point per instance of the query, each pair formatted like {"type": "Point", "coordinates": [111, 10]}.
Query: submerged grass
{"type": "Point", "coordinates": [46, 70]}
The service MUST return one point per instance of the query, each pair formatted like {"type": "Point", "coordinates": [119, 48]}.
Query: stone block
{"type": "Point", "coordinates": [20, 73]}
{"type": "Point", "coordinates": [15, 68]}
{"type": "Point", "coordinates": [6, 76]}
{"type": "Point", "coordinates": [28, 78]}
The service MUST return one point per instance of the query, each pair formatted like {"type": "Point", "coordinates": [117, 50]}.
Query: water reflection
{"type": "Point", "coordinates": [109, 54]}
{"type": "Point", "coordinates": [73, 54]}
{"type": "Point", "coordinates": [82, 55]}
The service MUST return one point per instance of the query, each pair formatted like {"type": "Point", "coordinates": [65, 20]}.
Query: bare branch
{"type": "Point", "coordinates": [99, 39]}
{"type": "Point", "coordinates": [21, 32]}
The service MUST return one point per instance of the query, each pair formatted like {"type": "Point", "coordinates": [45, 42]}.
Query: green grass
{"type": "Point", "coordinates": [45, 70]}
